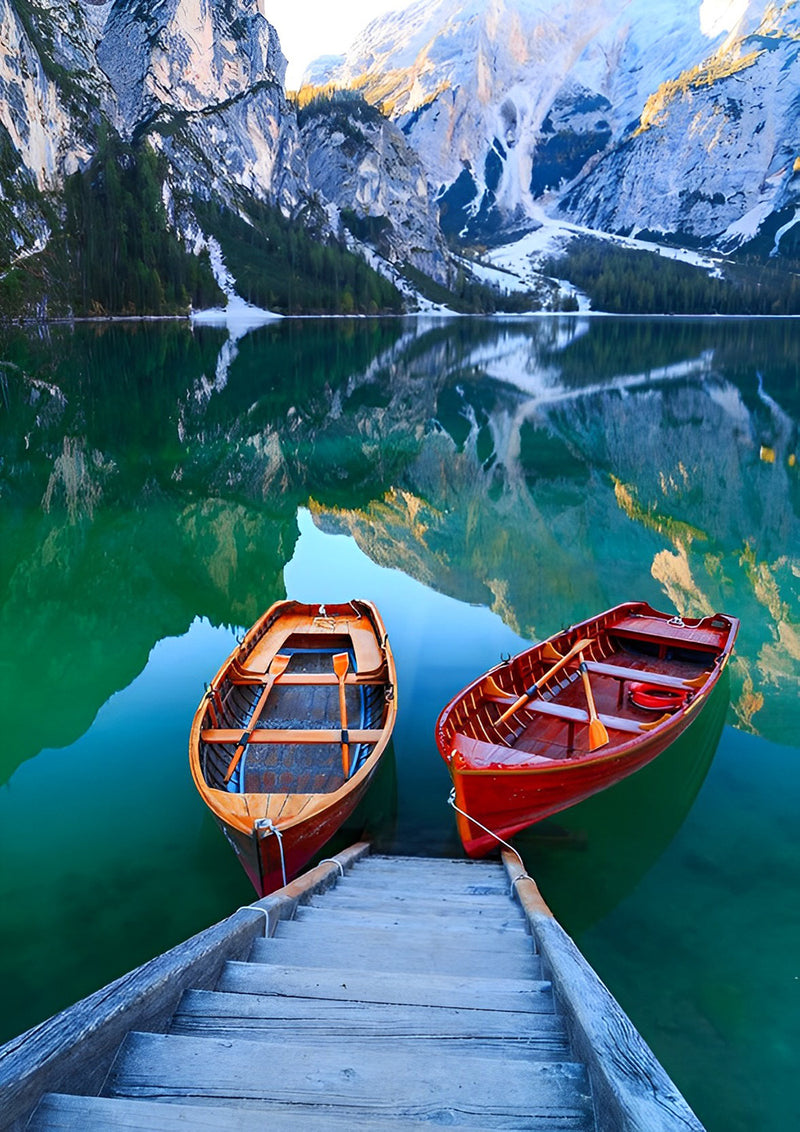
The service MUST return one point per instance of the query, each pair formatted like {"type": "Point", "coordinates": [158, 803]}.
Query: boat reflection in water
{"type": "Point", "coordinates": [589, 858]}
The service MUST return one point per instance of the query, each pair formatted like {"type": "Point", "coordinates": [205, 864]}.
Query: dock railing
{"type": "Point", "coordinates": [631, 1089]}
{"type": "Point", "coordinates": [73, 1050]}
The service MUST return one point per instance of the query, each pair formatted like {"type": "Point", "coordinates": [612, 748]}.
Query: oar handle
{"type": "Point", "coordinates": [341, 664]}
{"type": "Point", "coordinates": [578, 647]}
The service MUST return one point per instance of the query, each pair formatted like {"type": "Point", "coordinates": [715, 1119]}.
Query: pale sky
{"type": "Point", "coordinates": [309, 28]}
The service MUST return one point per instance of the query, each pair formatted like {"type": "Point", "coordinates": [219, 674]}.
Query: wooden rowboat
{"type": "Point", "coordinates": [290, 731]}
{"type": "Point", "coordinates": [575, 714]}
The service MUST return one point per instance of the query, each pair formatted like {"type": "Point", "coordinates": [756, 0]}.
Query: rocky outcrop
{"type": "Point", "coordinates": [361, 162]}
{"type": "Point", "coordinates": [204, 82]}
{"type": "Point", "coordinates": [715, 157]}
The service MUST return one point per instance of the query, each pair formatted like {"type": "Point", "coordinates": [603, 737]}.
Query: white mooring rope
{"type": "Point", "coordinates": [270, 827]}
{"type": "Point", "coordinates": [524, 874]}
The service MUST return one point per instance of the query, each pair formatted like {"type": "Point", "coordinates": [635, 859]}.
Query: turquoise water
{"type": "Point", "coordinates": [486, 483]}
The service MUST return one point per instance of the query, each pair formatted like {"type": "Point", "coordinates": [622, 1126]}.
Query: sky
{"type": "Point", "coordinates": [319, 27]}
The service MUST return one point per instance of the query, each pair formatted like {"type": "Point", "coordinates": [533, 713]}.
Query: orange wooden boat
{"type": "Point", "coordinates": [290, 732]}
{"type": "Point", "coordinates": [575, 714]}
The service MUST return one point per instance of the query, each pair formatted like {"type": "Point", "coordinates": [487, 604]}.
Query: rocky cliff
{"type": "Point", "coordinates": [623, 115]}
{"type": "Point", "coordinates": [200, 84]}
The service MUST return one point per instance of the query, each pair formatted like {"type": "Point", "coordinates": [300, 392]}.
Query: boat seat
{"type": "Point", "coordinates": [369, 656]}
{"type": "Point", "coordinates": [578, 715]}
{"type": "Point", "coordinates": [656, 678]}
{"type": "Point", "coordinates": [571, 714]}
{"type": "Point", "coordinates": [266, 735]}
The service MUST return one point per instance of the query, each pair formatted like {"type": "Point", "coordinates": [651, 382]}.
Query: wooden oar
{"type": "Point", "coordinates": [598, 736]}
{"type": "Point", "coordinates": [277, 666]}
{"type": "Point", "coordinates": [579, 646]}
{"type": "Point", "coordinates": [341, 663]}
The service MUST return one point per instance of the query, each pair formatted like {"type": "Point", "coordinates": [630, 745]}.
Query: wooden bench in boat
{"type": "Point", "coordinates": [647, 677]}
{"type": "Point", "coordinates": [578, 715]}
{"type": "Point", "coordinates": [369, 656]}
{"type": "Point", "coordinates": [309, 679]}
{"type": "Point", "coordinates": [269, 735]}
{"type": "Point", "coordinates": [654, 629]}
{"type": "Point", "coordinates": [573, 715]}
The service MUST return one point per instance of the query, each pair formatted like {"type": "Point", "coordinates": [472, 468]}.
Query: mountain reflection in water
{"type": "Point", "coordinates": [546, 469]}
{"type": "Point", "coordinates": [496, 480]}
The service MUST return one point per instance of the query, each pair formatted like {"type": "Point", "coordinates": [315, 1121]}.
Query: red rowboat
{"type": "Point", "coordinates": [575, 714]}
{"type": "Point", "coordinates": [290, 731]}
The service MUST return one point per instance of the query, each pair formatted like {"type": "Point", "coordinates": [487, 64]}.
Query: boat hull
{"type": "Point", "coordinates": [270, 860]}
{"type": "Point", "coordinates": [524, 741]}
{"type": "Point", "coordinates": [509, 801]}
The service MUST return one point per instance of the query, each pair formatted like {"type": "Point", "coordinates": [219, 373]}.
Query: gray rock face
{"type": "Point", "coordinates": [625, 115]}
{"type": "Point", "coordinates": [714, 157]}
{"type": "Point", "coordinates": [205, 81]}
{"type": "Point", "coordinates": [361, 162]}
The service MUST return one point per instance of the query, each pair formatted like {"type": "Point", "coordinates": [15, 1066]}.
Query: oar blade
{"type": "Point", "coordinates": [598, 736]}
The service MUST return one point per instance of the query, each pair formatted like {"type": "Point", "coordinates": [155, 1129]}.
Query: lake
{"type": "Point", "coordinates": [486, 483]}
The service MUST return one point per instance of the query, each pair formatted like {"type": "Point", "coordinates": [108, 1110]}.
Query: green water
{"type": "Point", "coordinates": [486, 483]}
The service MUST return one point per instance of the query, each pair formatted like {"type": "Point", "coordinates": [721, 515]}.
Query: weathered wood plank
{"type": "Point", "coordinates": [322, 914]}
{"type": "Point", "coordinates": [632, 1089]}
{"type": "Point", "coordinates": [64, 1113]}
{"type": "Point", "coordinates": [401, 1082]}
{"type": "Point", "coordinates": [532, 995]}
{"type": "Point", "coordinates": [263, 1017]}
{"type": "Point", "coordinates": [424, 939]}
{"type": "Point", "coordinates": [414, 957]}
{"type": "Point", "coordinates": [469, 910]}
{"type": "Point", "coordinates": [402, 883]}
{"type": "Point", "coordinates": [455, 902]}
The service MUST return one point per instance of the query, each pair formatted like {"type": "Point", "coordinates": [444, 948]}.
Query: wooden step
{"type": "Point", "coordinates": [322, 915]}
{"type": "Point", "coordinates": [418, 955]}
{"type": "Point", "coordinates": [458, 867]}
{"type": "Point", "coordinates": [448, 902]}
{"type": "Point", "coordinates": [401, 882]}
{"type": "Point", "coordinates": [62, 1113]}
{"type": "Point", "coordinates": [491, 1033]}
{"type": "Point", "coordinates": [470, 910]}
{"type": "Point", "coordinates": [368, 1082]}
{"type": "Point", "coordinates": [531, 995]}
{"type": "Point", "coordinates": [461, 946]}
{"type": "Point", "coordinates": [426, 884]}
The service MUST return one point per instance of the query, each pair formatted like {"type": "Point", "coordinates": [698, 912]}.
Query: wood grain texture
{"type": "Point", "coordinates": [457, 990]}
{"type": "Point", "coordinates": [401, 1082]}
{"type": "Point", "coordinates": [64, 1113]}
{"type": "Point", "coordinates": [632, 1091]}
{"type": "Point", "coordinates": [264, 1018]}
{"type": "Point", "coordinates": [418, 957]}
{"type": "Point", "coordinates": [487, 927]}
{"type": "Point", "coordinates": [422, 937]}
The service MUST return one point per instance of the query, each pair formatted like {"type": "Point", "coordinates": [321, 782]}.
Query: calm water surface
{"type": "Point", "coordinates": [486, 483]}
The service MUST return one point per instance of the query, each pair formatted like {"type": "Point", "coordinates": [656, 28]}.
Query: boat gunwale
{"type": "Point", "coordinates": [459, 764]}
{"type": "Point", "coordinates": [233, 808]}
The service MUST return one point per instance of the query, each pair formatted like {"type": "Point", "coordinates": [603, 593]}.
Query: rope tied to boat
{"type": "Point", "coordinates": [266, 825]}
{"type": "Point", "coordinates": [524, 875]}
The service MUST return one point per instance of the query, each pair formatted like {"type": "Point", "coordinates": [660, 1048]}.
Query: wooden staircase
{"type": "Point", "coordinates": [411, 992]}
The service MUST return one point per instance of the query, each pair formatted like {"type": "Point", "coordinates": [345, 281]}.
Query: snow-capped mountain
{"type": "Point", "coordinates": [666, 115]}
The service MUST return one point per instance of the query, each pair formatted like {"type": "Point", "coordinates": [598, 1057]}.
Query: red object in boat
{"type": "Point", "coordinates": [522, 741]}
